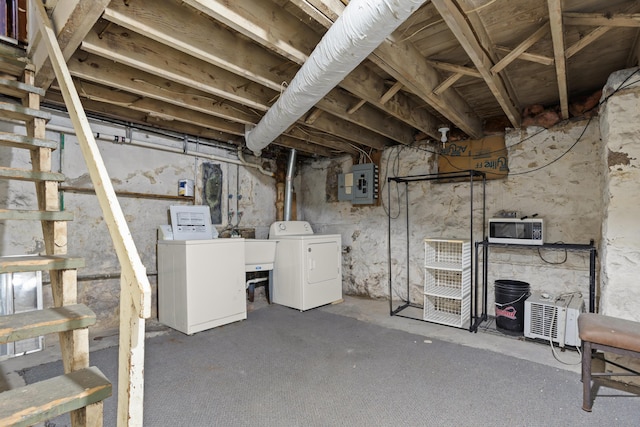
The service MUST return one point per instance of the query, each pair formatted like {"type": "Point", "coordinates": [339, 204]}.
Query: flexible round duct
{"type": "Point", "coordinates": [361, 28]}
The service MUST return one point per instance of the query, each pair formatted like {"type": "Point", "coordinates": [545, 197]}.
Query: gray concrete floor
{"type": "Point", "coordinates": [487, 337]}
{"type": "Point", "coordinates": [364, 309]}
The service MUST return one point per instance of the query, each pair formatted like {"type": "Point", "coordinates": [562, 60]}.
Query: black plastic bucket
{"type": "Point", "coordinates": [509, 300]}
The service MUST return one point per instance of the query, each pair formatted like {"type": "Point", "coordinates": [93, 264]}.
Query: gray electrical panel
{"type": "Point", "coordinates": [365, 184]}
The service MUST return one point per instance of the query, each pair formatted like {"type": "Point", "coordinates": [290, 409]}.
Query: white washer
{"type": "Point", "coordinates": [308, 268]}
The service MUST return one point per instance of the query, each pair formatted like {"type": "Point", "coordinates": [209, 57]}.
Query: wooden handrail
{"type": "Point", "coordinates": [135, 292]}
{"type": "Point", "coordinates": [114, 217]}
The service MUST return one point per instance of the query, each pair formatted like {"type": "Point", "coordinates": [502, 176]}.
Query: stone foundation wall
{"type": "Point", "coordinates": [132, 169]}
{"type": "Point", "coordinates": [553, 173]}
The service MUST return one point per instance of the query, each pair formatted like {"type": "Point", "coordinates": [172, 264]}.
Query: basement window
{"type": "Point", "coordinates": [13, 22]}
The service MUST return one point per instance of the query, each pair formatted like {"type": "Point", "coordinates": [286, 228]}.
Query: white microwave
{"type": "Point", "coordinates": [515, 231]}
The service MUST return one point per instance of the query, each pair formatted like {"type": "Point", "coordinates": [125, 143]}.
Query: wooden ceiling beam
{"type": "Point", "coordinates": [586, 41]}
{"type": "Point", "coordinates": [602, 19]}
{"type": "Point", "coordinates": [313, 115]}
{"type": "Point", "coordinates": [390, 93]}
{"type": "Point", "coordinates": [154, 108]}
{"type": "Point", "coordinates": [155, 58]}
{"type": "Point", "coordinates": [103, 71]}
{"type": "Point", "coordinates": [521, 48]}
{"type": "Point", "coordinates": [369, 87]}
{"type": "Point", "coordinates": [308, 134]}
{"type": "Point", "coordinates": [338, 103]}
{"type": "Point", "coordinates": [308, 147]}
{"type": "Point", "coordinates": [531, 57]}
{"type": "Point", "coordinates": [466, 36]}
{"type": "Point", "coordinates": [152, 57]}
{"type": "Point", "coordinates": [202, 38]}
{"type": "Point", "coordinates": [119, 104]}
{"type": "Point", "coordinates": [272, 27]}
{"type": "Point", "coordinates": [220, 47]}
{"type": "Point", "coordinates": [356, 107]}
{"type": "Point", "coordinates": [406, 65]}
{"type": "Point", "coordinates": [154, 95]}
{"type": "Point", "coordinates": [447, 83]}
{"type": "Point", "coordinates": [557, 35]}
{"type": "Point", "coordinates": [114, 111]}
{"type": "Point", "coordinates": [72, 19]}
{"type": "Point", "coordinates": [454, 68]}
{"type": "Point", "coordinates": [595, 34]}
{"type": "Point", "coordinates": [263, 22]}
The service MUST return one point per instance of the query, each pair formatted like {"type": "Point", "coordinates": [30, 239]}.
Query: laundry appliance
{"type": "Point", "coordinates": [308, 267]}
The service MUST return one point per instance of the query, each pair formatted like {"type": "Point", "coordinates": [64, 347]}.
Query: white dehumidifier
{"type": "Point", "coordinates": [553, 317]}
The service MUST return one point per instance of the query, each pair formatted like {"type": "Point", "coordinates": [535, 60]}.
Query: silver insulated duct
{"type": "Point", "coordinates": [288, 189]}
{"type": "Point", "coordinates": [361, 28]}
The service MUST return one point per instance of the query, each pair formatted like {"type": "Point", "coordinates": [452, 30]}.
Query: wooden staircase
{"type": "Point", "coordinates": [82, 389]}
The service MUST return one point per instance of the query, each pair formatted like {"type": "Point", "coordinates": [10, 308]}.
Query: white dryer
{"type": "Point", "coordinates": [308, 267]}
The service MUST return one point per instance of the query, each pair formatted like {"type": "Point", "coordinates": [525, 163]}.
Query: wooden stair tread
{"type": "Point", "coordinates": [20, 326]}
{"type": "Point", "coordinates": [12, 61]}
{"type": "Point", "coordinates": [27, 215]}
{"type": "Point", "coordinates": [37, 402]}
{"type": "Point", "coordinates": [13, 264]}
{"type": "Point", "coordinates": [18, 112]}
{"type": "Point", "coordinates": [22, 141]}
{"type": "Point", "coordinates": [30, 175]}
{"type": "Point", "coordinates": [18, 89]}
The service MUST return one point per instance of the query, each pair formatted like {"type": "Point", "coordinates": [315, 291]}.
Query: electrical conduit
{"type": "Point", "coordinates": [288, 193]}
{"type": "Point", "coordinates": [113, 138]}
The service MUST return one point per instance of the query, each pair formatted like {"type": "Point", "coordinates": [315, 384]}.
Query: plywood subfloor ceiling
{"type": "Point", "coordinates": [209, 68]}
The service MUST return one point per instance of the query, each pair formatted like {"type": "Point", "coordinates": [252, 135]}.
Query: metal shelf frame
{"type": "Point", "coordinates": [474, 178]}
{"type": "Point", "coordinates": [574, 247]}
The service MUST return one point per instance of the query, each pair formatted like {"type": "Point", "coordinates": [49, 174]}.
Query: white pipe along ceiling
{"type": "Point", "coordinates": [360, 29]}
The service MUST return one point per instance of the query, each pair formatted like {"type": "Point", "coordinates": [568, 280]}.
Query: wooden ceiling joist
{"type": "Point", "coordinates": [531, 57]}
{"type": "Point", "coordinates": [602, 19]}
{"type": "Point", "coordinates": [271, 27]}
{"type": "Point", "coordinates": [557, 35]}
{"type": "Point", "coordinates": [586, 41]}
{"type": "Point", "coordinates": [118, 111]}
{"type": "Point", "coordinates": [265, 23]}
{"type": "Point", "coordinates": [521, 48]}
{"type": "Point", "coordinates": [155, 58]}
{"type": "Point", "coordinates": [389, 94]}
{"type": "Point", "coordinates": [447, 83]}
{"type": "Point", "coordinates": [203, 39]}
{"type": "Point", "coordinates": [465, 35]}
{"type": "Point", "coordinates": [77, 18]}
{"type": "Point", "coordinates": [219, 47]}
{"type": "Point", "coordinates": [201, 65]}
{"type": "Point", "coordinates": [421, 79]}
{"type": "Point", "coordinates": [307, 147]}
{"type": "Point", "coordinates": [156, 109]}
{"type": "Point", "coordinates": [356, 107]}
{"type": "Point", "coordinates": [304, 142]}
{"type": "Point", "coordinates": [454, 68]}
{"type": "Point", "coordinates": [99, 70]}
{"type": "Point", "coordinates": [593, 35]}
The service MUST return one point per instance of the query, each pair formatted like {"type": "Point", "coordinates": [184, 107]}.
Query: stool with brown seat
{"type": "Point", "coordinates": [605, 333]}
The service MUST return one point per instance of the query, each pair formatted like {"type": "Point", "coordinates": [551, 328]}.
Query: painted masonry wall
{"type": "Point", "coordinates": [620, 122]}
{"type": "Point", "coordinates": [133, 169]}
{"type": "Point", "coordinates": [567, 194]}
{"type": "Point", "coordinates": [621, 234]}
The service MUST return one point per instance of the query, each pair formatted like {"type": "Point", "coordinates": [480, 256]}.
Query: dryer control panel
{"type": "Point", "coordinates": [289, 228]}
